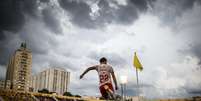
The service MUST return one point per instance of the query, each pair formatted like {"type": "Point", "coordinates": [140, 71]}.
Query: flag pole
{"type": "Point", "coordinates": [137, 81]}
{"type": "Point", "coordinates": [138, 66]}
{"type": "Point", "coordinates": [137, 74]}
{"type": "Point", "coordinates": [137, 84]}
{"type": "Point", "coordinates": [137, 77]}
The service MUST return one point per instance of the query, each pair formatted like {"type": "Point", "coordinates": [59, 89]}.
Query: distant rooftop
{"type": "Point", "coordinates": [54, 68]}
{"type": "Point", "coordinates": [58, 68]}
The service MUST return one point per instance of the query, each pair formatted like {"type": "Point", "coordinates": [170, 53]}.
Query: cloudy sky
{"type": "Point", "coordinates": [74, 34]}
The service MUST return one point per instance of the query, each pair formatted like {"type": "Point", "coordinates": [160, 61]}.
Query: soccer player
{"type": "Point", "coordinates": [105, 72]}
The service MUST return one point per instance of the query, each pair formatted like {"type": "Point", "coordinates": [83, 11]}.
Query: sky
{"type": "Point", "coordinates": [75, 34]}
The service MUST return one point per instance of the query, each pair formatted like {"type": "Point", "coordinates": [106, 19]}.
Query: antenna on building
{"type": "Point", "coordinates": [23, 45]}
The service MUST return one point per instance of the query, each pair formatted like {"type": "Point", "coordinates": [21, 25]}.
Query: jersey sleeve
{"type": "Point", "coordinates": [96, 67]}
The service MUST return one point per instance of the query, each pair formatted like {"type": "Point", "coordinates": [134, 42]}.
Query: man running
{"type": "Point", "coordinates": [104, 71]}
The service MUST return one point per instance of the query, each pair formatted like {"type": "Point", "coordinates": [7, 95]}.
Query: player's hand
{"type": "Point", "coordinates": [116, 88]}
{"type": "Point", "coordinates": [81, 76]}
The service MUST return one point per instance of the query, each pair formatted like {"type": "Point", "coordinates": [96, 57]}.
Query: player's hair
{"type": "Point", "coordinates": [103, 59]}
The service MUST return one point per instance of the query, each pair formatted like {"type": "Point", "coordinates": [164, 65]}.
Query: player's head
{"type": "Point", "coordinates": [103, 60]}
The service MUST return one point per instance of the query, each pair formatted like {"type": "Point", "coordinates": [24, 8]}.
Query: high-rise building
{"type": "Point", "coordinates": [19, 69]}
{"type": "Point", "coordinates": [2, 84]}
{"type": "Point", "coordinates": [53, 79]}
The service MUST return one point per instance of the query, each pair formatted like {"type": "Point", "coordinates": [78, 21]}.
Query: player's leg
{"type": "Point", "coordinates": [109, 90]}
{"type": "Point", "coordinates": [103, 92]}
{"type": "Point", "coordinates": [110, 87]}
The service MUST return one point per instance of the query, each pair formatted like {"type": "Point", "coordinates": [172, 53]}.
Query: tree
{"type": "Point", "coordinates": [78, 96]}
{"type": "Point", "coordinates": [67, 94]}
{"type": "Point", "coordinates": [44, 91]}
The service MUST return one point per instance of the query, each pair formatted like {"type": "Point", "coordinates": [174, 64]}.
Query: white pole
{"type": "Point", "coordinates": [125, 91]}
{"type": "Point", "coordinates": [137, 77]}
{"type": "Point", "coordinates": [122, 91]}
{"type": "Point", "coordinates": [137, 84]}
{"type": "Point", "coordinates": [123, 80]}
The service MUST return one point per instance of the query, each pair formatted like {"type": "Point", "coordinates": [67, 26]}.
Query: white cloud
{"type": "Point", "coordinates": [157, 46]}
{"type": "Point", "coordinates": [3, 71]}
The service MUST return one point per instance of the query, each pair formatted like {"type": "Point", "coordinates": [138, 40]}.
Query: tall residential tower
{"type": "Point", "coordinates": [19, 69]}
{"type": "Point", "coordinates": [53, 79]}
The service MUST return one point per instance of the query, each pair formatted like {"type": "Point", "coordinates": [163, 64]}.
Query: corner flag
{"type": "Point", "coordinates": [136, 63]}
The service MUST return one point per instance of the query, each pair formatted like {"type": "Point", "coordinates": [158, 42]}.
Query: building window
{"type": "Point", "coordinates": [55, 80]}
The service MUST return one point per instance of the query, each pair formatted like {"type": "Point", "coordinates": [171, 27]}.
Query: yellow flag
{"type": "Point", "coordinates": [137, 63]}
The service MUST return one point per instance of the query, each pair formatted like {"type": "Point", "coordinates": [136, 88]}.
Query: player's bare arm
{"type": "Point", "coordinates": [115, 81]}
{"type": "Point", "coordinates": [87, 70]}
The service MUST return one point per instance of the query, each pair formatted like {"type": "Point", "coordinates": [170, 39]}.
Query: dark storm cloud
{"type": "Point", "coordinates": [142, 4]}
{"type": "Point", "coordinates": [11, 17]}
{"type": "Point", "coordinates": [169, 10]}
{"type": "Point", "coordinates": [124, 14]}
{"type": "Point", "coordinates": [50, 20]}
{"type": "Point", "coordinates": [12, 20]}
{"type": "Point", "coordinates": [12, 14]}
{"type": "Point", "coordinates": [183, 4]}
{"type": "Point", "coordinates": [7, 47]}
{"type": "Point", "coordinates": [79, 12]}
{"type": "Point", "coordinates": [44, 1]}
{"type": "Point", "coordinates": [195, 92]}
{"type": "Point", "coordinates": [38, 45]}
